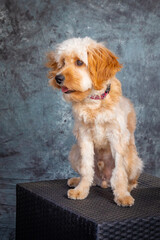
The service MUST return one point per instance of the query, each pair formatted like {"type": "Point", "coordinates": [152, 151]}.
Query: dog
{"type": "Point", "coordinates": [105, 153]}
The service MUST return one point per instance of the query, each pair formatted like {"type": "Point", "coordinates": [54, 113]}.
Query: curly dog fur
{"type": "Point", "coordinates": [105, 153]}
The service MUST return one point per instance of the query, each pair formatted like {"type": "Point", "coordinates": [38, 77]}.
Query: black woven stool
{"type": "Point", "coordinates": [45, 212]}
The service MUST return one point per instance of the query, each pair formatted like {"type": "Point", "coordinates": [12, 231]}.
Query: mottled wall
{"type": "Point", "coordinates": [35, 122]}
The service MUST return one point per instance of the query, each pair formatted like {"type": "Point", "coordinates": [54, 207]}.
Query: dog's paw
{"type": "Point", "coordinates": [126, 201]}
{"type": "Point", "coordinates": [132, 184]}
{"type": "Point", "coordinates": [131, 187]}
{"type": "Point", "coordinates": [73, 182]}
{"type": "Point", "coordinates": [77, 194]}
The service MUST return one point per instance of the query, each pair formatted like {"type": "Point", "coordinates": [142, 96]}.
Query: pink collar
{"type": "Point", "coordinates": [103, 95]}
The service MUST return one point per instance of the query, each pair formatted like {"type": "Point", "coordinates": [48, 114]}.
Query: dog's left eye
{"type": "Point", "coordinates": [79, 63]}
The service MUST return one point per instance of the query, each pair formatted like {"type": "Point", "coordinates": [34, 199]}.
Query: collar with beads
{"type": "Point", "coordinates": [103, 95]}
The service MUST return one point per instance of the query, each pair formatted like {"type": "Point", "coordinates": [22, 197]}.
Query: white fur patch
{"type": "Point", "coordinates": [77, 45]}
{"type": "Point", "coordinates": [86, 82]}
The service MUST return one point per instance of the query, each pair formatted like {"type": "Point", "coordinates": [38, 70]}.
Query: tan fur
{"type": "Point", "coordinates": [105, 153]}
{"type": "Point", "coordinates": [73, 182]}
{"type": "Point", "coordinates": [105, 61]}
{"type": "Point", "coordinates": [53, 65]}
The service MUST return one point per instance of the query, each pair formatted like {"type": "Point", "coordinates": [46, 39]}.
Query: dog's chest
{"type": "Point", "coordinates": [99, 136]}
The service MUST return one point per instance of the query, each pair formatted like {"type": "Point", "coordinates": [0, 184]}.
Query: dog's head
{"type": "Point", "coordinates": [79, 65]}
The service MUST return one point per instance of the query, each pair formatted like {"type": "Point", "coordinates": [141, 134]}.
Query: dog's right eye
{"type": "Point", "coordinates": [63, 63]}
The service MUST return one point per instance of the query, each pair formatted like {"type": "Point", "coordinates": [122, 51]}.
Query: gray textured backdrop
{"type": "Point", "coordinates": [36, 123]}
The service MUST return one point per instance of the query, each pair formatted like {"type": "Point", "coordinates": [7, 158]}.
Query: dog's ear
{"type": "Point", "coordinates": [102, 65]}
{"type": "Point", "coordinates": [53, 66]}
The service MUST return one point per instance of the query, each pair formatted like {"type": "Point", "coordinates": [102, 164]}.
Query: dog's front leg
{"type": "Point", "coordinates": [85, 166]}
{"type": "Point", "coordinates": [119, 183]}
{"type": "Point", "coordinates": [119, 179]}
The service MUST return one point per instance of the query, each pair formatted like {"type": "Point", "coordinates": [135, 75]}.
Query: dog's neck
{"type": "Point", "coordinates": [103, 95]}
{"type": "Point", "coordinates": [109, 101]}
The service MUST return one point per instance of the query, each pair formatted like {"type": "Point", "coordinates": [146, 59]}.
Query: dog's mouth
{"type": "Point", "coordinates": [66, 90]}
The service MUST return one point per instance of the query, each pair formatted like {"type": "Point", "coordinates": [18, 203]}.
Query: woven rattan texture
{"type": "Point", "coordinates": [45, 212]}
{"type": "Point", "coordinates": [131, 229]}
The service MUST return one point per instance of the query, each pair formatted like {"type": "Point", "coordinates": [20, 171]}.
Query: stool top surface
{"type": "Point", "coordinates": [99, 206]}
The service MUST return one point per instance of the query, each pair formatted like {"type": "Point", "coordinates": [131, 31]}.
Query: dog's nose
{"type": "Point", "coordinates": [59, 78]}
